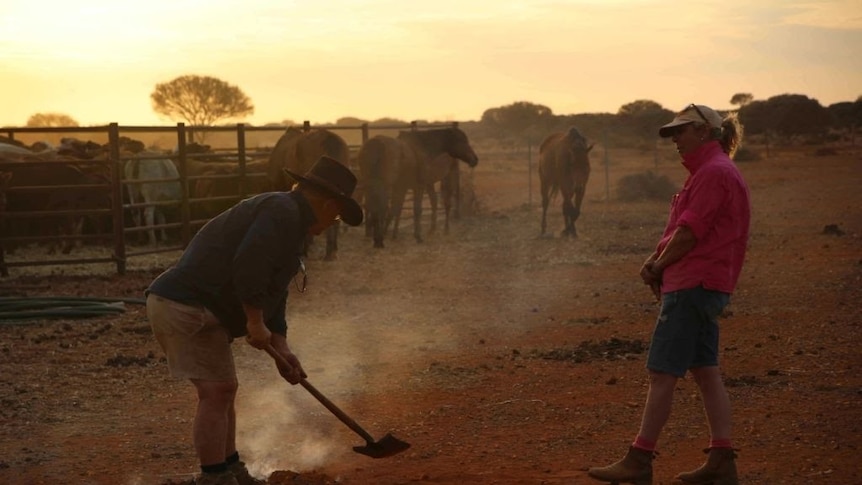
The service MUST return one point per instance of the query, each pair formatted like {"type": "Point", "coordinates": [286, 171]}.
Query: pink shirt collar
{"type": "Point", "coordinates": [695, 159]}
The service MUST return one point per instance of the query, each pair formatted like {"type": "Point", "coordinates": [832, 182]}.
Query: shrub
{"type": "Point", "coordinates": [645, 186]}
{"type": "Point", "coordinates": [745, 154]}
{"type": "Point", "coordinates": [825, 152]}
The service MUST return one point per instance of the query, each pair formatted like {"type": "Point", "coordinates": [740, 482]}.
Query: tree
{"type": "Point", "coordinates": [644, 117]}
{"type": "Point", "coordinates": [741, 99]}
{"type": "Point", "coordinates": [846, 115]}
{"type": "Point", "coordinates": [200, 100]}
{"type": "Point", "coordinates": [785, 114]}
{"type": "Point", "coordinates": [521, 119]}
{"type": "Point", "coordinates": [50, 119]}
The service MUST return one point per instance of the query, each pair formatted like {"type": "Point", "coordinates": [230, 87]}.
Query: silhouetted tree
{"type": "Point", "coordinates": [200, 100]}
{"type": "Point", "coordinates": [644, 117]}
{"type": "Point", "coordinates": [741, 99]}
{"type": "Point", "coordinates": [50, 119]}
{"type": "Point", "coordinates": [785, 114]}
{"type": "Point", "coordinates": [522, 120]}
{"type": "Point", "coordinates": [846, 114]}
{"type": "Point", "coordinates": [349, 121]}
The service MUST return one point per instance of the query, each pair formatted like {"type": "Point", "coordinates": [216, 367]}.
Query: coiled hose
{"type": "Point", "coordinates": [13, 309]}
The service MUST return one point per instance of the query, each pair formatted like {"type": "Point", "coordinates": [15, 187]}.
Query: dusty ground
{"type": "Point", "coordinates": [500, 356]}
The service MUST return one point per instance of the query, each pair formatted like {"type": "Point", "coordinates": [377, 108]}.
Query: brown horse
{"type": "Point", "coordinates": [297, 151]}
{"type": "Point", "coordinates": [385, 171]}
{"type": "Point", "coordinates": [415, 161]}
{"type": "Point", "coordinates": [564, 166]}
{"type": "Point", "coordinates": [435, 152]}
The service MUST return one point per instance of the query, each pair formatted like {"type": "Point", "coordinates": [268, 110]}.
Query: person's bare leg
{"type": "Point", "coordinates": [213, 420]}
{"type": "Point", "coordinates": [230, 443]}
{"type": "Point", "coordinates": [658, 405]}
{"type": "Point", "coordinates": [720, 465]}
{"type": "Point", "coordinates": [716, 402]}
{"type": "Point", "coordinates": [636, 465]}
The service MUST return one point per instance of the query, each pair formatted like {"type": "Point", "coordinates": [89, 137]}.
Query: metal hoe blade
{"type": "Point", "coordinates": [385, 447]}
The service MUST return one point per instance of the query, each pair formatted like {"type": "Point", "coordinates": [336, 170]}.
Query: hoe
{"type": "Point", "coordinates": [385, 447]}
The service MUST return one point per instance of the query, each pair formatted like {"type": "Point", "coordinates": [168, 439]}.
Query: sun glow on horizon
{"type": "Point", "coordinates": [99, 60]}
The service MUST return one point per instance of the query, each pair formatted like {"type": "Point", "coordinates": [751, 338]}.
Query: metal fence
{"type": "Point", "coordinates": [118, 209]}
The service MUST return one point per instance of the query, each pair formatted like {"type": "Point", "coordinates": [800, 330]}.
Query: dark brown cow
{"type": "Point", "coordinates": [297, 151]}
{"type": "Point", "coordinates": [224, 186]}
{"type": "Point", "coordinates": [564, 167]}
{"type": "Point", "coordinates": [41, 187]}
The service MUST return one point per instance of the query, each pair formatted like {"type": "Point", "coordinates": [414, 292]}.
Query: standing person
{"type": "Point", "coordinates": [693, 271]}
{"type": "Point", "coordinates": [232, 281]}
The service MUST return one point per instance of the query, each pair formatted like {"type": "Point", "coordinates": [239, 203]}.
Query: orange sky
{"type": "Point", "coordinates": [99, 60]}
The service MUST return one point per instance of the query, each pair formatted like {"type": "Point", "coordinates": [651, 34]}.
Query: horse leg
{"type": "Point", "coordinates": [332, 242]}
{"type": "Point", "coordinates": [446, 193]}
{"type": "Point", "coordinates": [378, 227]}
{"type": "Point", "coordinates": [455, 190]}
{"type": "Point", "coordinates": [432, 196]}
{"type": "Point", "coordinates": [417, 212]}
{"type": "Point", "coordinates": [546, 199]}
{"type": "Point", "coordinates": [568, 213]}
{"type": "Point", "coordinates": [576, 213]}
{"type": "Point", "coordinates": [396, 206]}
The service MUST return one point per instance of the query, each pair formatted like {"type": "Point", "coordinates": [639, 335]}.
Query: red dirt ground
{"type": "Point", "coordinates": [502, 357]}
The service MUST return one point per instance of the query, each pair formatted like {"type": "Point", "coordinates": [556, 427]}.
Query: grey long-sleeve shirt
{"type": "Point", "coordinates": [247, 254]}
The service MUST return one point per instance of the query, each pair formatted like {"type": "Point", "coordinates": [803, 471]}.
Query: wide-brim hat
{"type": "Point", "coordinates": [335, 179]}
{"type": "Point", "coordinates": [693, 113]}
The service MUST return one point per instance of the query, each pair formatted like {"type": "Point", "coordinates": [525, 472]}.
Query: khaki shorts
{"type": "Point", "coordinates": [197, 346]}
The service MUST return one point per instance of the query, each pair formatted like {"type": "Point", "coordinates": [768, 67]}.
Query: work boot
{"type": "Point", "coordinates": [242, 476]}
{"type": "Point", "coordinates": [635, 468]}
{"type": "Point", "coordinates": [223, 478]}
{"type": "Point", "coordinates": [719, 469]}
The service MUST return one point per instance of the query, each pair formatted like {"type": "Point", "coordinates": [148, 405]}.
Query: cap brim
{"type": "Point", "coordinates": [351, 212]}
{"type": "Point", "coordinates": [667, 130]}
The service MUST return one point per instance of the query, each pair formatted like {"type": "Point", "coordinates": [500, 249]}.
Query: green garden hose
{"type": "Point", "coordinates": [13, 309]}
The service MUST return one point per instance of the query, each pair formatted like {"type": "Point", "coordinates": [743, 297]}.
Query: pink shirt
{"type": "Point", "coordinates": [714, 204]}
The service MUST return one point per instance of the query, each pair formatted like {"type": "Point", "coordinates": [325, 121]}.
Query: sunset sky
{"type": "Point", "coordinates": [441, 60]}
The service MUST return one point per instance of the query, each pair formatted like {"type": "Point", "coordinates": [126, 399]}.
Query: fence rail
{"type": "Point", "coordinates": [112, 165]}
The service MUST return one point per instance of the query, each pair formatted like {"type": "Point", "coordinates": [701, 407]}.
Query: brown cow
{"type": "Point", "coordinates": [223, 186]}
{"type": "Point", "coordinates": [50, 187]}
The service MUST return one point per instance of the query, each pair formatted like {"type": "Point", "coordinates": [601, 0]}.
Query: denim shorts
{"type": "Point", "coordinates": [686, 332]}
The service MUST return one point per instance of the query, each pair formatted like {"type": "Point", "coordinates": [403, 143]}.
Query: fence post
{"type": "Point", "coordinates": [364, 133]}
{"type": "Point", "coordinates": [117, 198]}
{"type": "Point", "coordinates": [185, 213]}
{"type": "Point", "coordinates": [607, 168]}
{"type": "Point", "coordinates": [240, 146]}
{"type": "Point", "coordinates": [529, 174]}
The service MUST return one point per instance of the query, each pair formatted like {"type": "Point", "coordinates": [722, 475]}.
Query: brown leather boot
{"type": "Point", "coordinates": [719, 469]}
{"type": "Point", "coordinates": [635, 468]}
{"type": "Point", "coordinates": [242, 476]}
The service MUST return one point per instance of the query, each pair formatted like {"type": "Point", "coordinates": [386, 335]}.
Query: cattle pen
{"type": "Point", "coordinates": [238, 143]}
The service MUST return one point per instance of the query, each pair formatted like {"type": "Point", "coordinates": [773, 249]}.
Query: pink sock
{"type": "Point", "coordinates": [720, 443]}
{"type": "Point", "coordinates": [642, 443]}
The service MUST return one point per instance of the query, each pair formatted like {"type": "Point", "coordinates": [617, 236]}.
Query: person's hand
{"type": "Point", "coordinates": [289, 367]}
{"type": "Point", "coordinates": [258, 335]}
{"type": "Point", "coordinates": [648, 273]}
{"type": "Point", "coordinates": [655, 286]}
